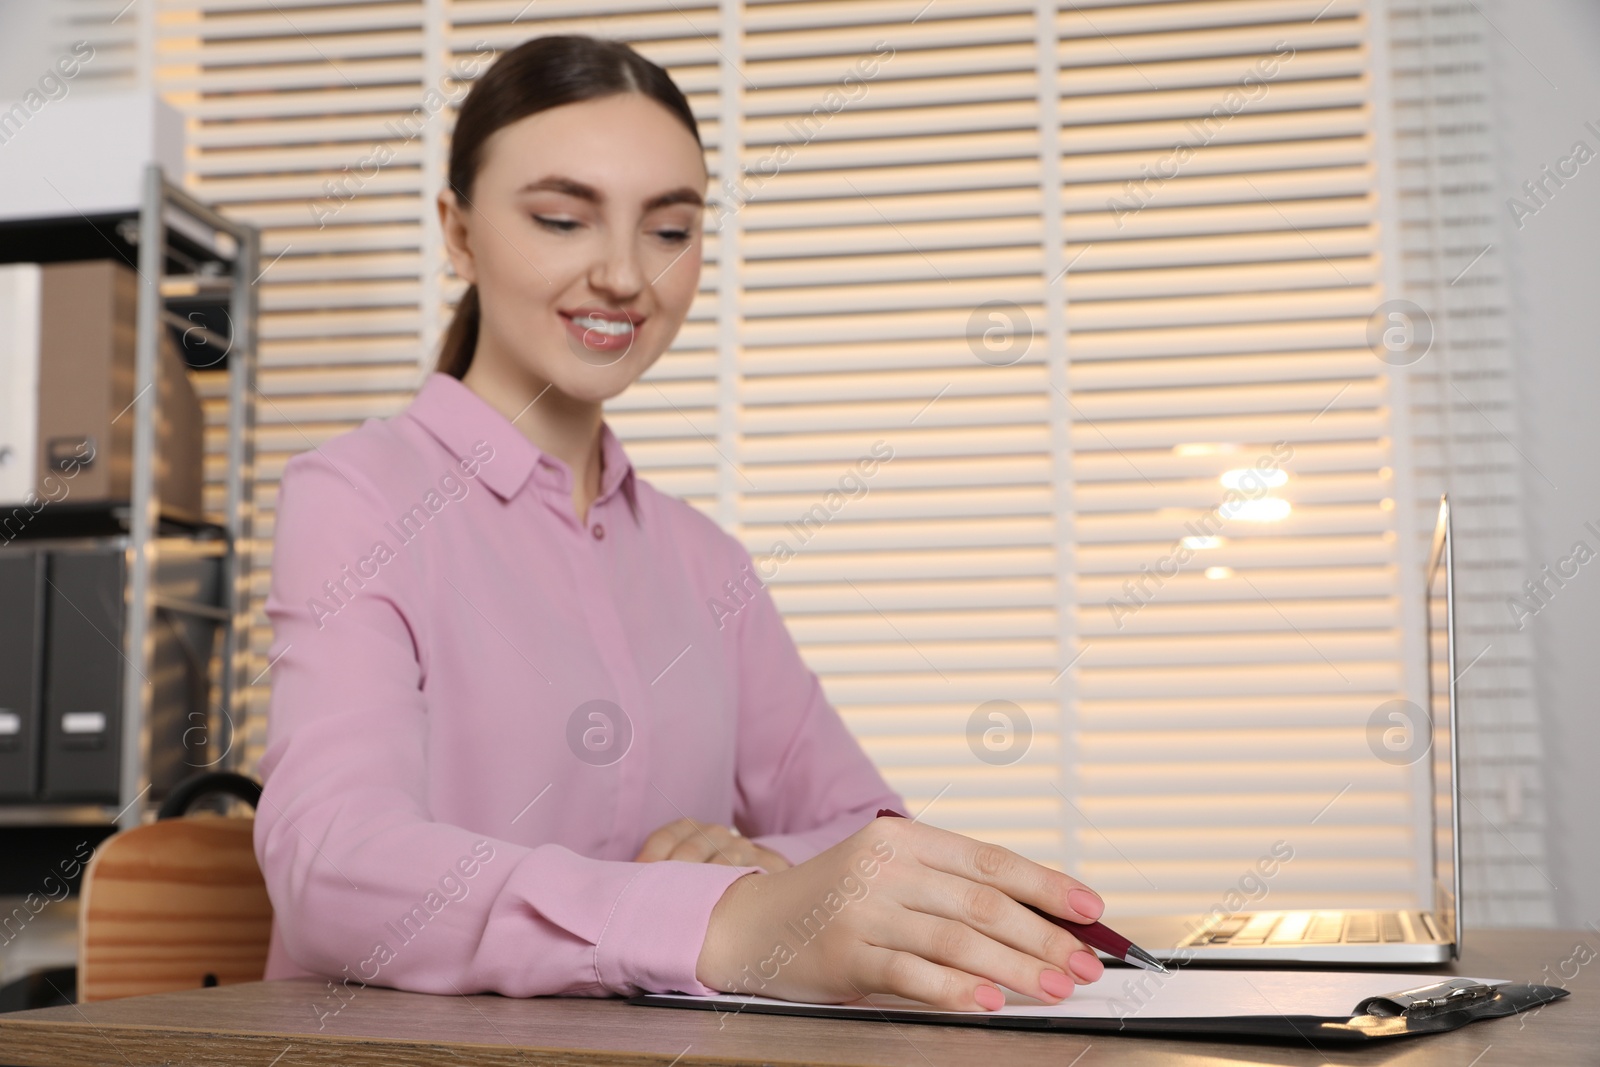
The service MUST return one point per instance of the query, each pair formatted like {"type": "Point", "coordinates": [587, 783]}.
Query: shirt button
{"type": "Point", "coordinates": [599, 532]}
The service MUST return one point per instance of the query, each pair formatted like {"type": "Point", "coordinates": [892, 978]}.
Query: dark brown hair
{"type": "Point", "coordinates": [535, 76]}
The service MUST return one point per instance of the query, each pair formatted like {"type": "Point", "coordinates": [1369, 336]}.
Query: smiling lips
{"type": "Point", "coordinates": [602, 329]}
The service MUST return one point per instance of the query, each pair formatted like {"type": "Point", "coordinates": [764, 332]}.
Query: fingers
{"type": "Point", "coordinates": [692, 841]}
{"type": "Point", "coordinates": [992, 913]}
{"type": "Point", "coordinates": [659, 845]}
{"type": "Point", "coordinates": [711, 843]}
{"type": "Point", "coordinates": [906, 974]}
{"type": "Point", "coordinates": [958, 946]}
{"type": "Point", "coordinates": [705, 846]}
{"type": "Point", "coordinates": [1018, 877]}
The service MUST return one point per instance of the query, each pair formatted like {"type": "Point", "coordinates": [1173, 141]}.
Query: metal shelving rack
{"type": "Point", "coordinates": [188, 255]}
{"type": "Point", "coordinates": [239, 250]}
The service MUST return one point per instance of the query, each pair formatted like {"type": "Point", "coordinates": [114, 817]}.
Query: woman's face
{"type": "Point", "coordinates": [583, 236]}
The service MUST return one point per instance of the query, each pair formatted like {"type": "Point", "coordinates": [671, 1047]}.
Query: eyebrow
{"type": "Point", "coordinates": [570, 187]}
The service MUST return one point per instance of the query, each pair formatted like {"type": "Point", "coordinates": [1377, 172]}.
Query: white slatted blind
{"type": "Point", "coordinates": [1216, 311]}
{"type": "Point", "coordinates": [34, 36]}
{"type": "Point", "coordinates": [285, 103]}
{"type": "Point", "coordinates": [1463, 417]}
{"type": "Point", "coordinates": [918, 246]}
{"type": "Point", "coordinates": [912, 198]}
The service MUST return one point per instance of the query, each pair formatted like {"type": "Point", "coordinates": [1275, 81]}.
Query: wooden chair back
{"type": "Point", "coordinates": [172, 905]}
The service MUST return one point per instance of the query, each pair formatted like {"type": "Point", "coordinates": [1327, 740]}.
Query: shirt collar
{"type": "Point", "coordinates": [617, 475]}
{"type": "Point", "coordinates": [461, 419]}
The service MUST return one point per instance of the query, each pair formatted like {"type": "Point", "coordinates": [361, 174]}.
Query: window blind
{"type": "Point", "coordinates": [928, 598]}
{"type": "Point", "coordinates": [1463, 424]}
{"type": "Point", "coordinates": [285, 105]}
{"type": "Point", "coordinates": [1223, 223]}
{"type": "Point", "coordinates": [976, 358]}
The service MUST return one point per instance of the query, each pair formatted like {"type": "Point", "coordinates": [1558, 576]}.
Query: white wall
{"type": "Point", "coordinates": [1547, 68]}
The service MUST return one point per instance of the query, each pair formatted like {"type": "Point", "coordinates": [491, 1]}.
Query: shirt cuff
{"type": "Point", "coordinates": [652, 939]}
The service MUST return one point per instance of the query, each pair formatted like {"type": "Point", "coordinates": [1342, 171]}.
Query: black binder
{"type": "Point", "coordinates": [83, 676]}
{"type": "Point", "coordinates": [1430, 1009]}
{"type": "Point", "coordinates": [21, 640]}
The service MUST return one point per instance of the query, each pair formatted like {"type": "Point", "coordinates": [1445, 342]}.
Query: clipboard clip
{"type": "Point", "coordinates": [1448, 995]}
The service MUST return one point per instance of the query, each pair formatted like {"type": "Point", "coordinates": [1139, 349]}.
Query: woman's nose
{"type": "Point", "coordinates": [618, 271]}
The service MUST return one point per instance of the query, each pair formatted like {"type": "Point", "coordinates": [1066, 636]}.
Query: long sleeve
{"type": "Point", "coordinates": [364, 881]}
{"type": "Point", "coordinates": [804, 782]}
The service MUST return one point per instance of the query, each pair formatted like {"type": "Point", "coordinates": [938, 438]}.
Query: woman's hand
{"type": "Point", "coordinates": [903, 908]}
{"type": "Point", "coordinates": [707, 842]}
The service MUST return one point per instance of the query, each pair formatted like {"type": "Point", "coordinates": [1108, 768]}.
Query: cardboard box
{"type": "Point", "coordinates": [83, 378]}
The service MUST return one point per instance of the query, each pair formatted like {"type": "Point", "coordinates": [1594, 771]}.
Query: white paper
{"type": "Point", "coordinates": [1183, 994]}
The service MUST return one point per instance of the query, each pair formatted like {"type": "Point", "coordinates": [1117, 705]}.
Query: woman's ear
{"type": "Point", "coordinates": [453, 227]}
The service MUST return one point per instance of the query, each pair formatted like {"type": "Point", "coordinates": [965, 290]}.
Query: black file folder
{"type": "Point", "coordinates": [21, 639]}
{"type": "Point", "coordinates": [1434, 1006]}
{"type": "Point", "coordinates": [83, 676]}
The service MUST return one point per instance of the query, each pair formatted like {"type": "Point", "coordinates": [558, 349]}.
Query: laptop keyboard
{"type": "Point", "coordinates": [1306, 928]}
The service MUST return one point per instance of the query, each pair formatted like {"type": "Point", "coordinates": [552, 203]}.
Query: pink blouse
{"type": "Point", "coordinates": [481, 707]}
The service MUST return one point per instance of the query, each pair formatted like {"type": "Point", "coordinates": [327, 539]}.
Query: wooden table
{"type": "Point", "coordinates": [275, 1024]}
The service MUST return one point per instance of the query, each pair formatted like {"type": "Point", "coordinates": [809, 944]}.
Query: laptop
{"type": "Point", "coordinates": [1354, 936]}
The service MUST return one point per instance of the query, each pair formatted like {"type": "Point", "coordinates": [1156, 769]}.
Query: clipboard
{"type": "Point", "coordinates": [1285, 1005]}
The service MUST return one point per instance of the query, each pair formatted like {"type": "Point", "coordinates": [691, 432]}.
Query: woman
{"type": "Point", "coordinates": [509, 747]}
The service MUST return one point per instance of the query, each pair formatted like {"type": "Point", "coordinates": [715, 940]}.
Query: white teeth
{"type": "Point", "coordinates": [609, 327]}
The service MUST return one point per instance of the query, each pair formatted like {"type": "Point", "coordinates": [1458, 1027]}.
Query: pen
{"type": "Point", "coordinates": [1095, 935]}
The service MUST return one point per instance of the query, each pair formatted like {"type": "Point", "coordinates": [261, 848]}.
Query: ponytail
{"type": "Point", "coordinates": [461, 339]}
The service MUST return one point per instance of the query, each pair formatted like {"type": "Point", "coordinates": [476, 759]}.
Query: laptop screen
{"type": "Point", "coordinates": [1442, 713]}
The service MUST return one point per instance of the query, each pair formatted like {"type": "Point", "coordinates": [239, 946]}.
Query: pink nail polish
{"type": "Point", "coordinates": [1086, 903]}
{"type": "Point", "coordinates": [989, 998]}
{"type": "Point", "coordinates": [1055, 983]}
{"type": "Point", "coordinates": [1086, 965]}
